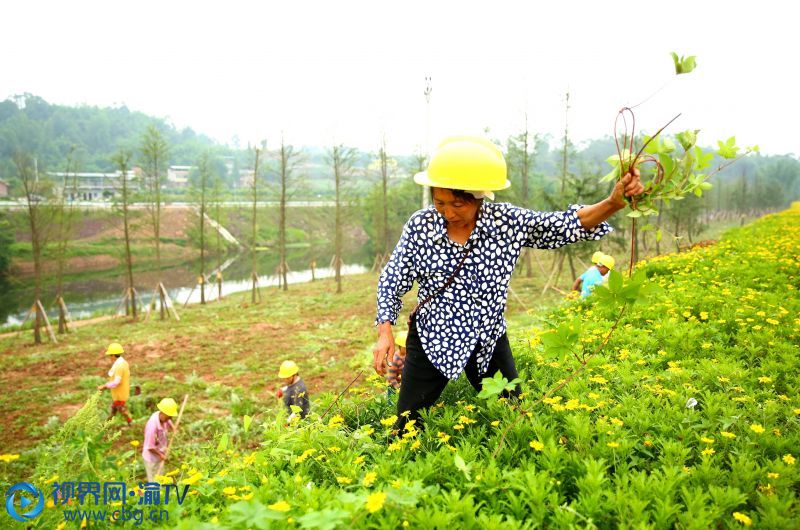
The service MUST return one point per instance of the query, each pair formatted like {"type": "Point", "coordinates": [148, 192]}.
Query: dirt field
{"type": "Point", "coordinates": [213, 350]}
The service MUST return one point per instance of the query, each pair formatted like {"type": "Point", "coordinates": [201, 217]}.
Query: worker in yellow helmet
{"type": "Point", "coordinates": [461, 251]}
{"type": "Point", "coordinates": [119, 383]}
{"type": "Point", "coordinates": [594, 275]}
{"type": "Point", "coordinates": [294, 392]}
{"type": "Point", "coordinates": [154, 448]}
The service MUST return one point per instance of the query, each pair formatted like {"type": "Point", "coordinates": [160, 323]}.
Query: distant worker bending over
{"type": "Point", "coordinates": [603, 263]}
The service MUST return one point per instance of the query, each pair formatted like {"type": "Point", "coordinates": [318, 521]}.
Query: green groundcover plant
{"type": "Point", "coordinates": [686, 418]}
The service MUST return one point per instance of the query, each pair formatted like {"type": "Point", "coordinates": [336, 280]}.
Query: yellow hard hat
{"type": "Point", "coordinates": [168, 407]}
{"type": "Point", "coordinates": [596, 257]}
{"type": "Point", "coordinates": [288, 369]}
{"type": "Point", "coordinates": [400, 338]}
{"type": "Point", "coordinates": [469, 163]}
{"type": "Point", "coordinates": [607, 261]}
{"type": "Point", "coordinates": [115, 348]}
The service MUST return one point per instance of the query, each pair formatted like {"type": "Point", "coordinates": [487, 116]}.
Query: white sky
{"type": "Point", "coordinates": [350, 71]}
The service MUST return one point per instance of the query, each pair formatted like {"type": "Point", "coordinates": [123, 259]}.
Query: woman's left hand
{"type": "Point", "coordinates": [628, 186]}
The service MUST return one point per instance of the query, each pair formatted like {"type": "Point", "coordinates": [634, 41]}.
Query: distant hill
{"type": "Point", "coordinates": [48, 132]}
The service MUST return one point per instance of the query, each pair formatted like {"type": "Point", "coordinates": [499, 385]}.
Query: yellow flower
{"type": "Point", "coordinates": [280, 506]}
{"type": "Point", "coordinates": [334, 449]}
{"type": "Point", "coordinates": [612, 445]}
{"type": "Point", "coordinates": [359, 459]}
{"type": "Point", "coordinates": [375, 501]}
{"type": "Point", "coordinates": [742, 518]}
{"type": "Point", "coordinates": [192, 479]}
{"type": "Point", "coordinates": [388, 422]}
{"type": "Point", "coordinates": [757, 428]}
{"type": "Point", "coordinates": [230, 490]}
{"type": "Point", "coordinates": [335, 421]}
{"type": "Point", "coordinates": [344, 480]}
{"type": "Point", "coordinates": [773, 475]}
{"type": "Point", "coordinates": [789, 459]}
{"type": "Point", "coordinates": [723, 379]}
{"type": "Point", "coordinates": [708, 451]}
{"type": "Point", "coordinates": [306, 454]}
{"type": "Point", "coordinates": [135, 443]}
{"type": "Point", "coordinates": [797, 411]}
{"type": "Point", "coordinates": [648, 443]}
{"type": "Point", "coordinates": [369, 479]}
{"type": "Point", "coordinates": [495, 423]}
{"type": "Point", "coordinates": [598, 379]}
{"type": "Point", "coordinates": [707, 440]}
{"type": "Point", "coordinates": [703, 315]}
{"type": "Point", "coordinates": [764, 379]}
{"type": "Point", "coordinates": [537, 445]}
{"type": "Point", "coordinates": [616, 421]}
{"type": "Point", "coordinates": [8, 458]}
{"type": "Point", "coordinates": [458, 427]}
{"type": "Point", "coordinates": [726, 434]}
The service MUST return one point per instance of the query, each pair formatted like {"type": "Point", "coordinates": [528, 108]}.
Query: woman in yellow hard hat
{"type": "Point", "coordinates": [594, 275]}
{"type": "Point", "coordinates": [462, 251]}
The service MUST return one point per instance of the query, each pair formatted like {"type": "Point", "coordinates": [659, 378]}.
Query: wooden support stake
{"type": "Point", "coordinates": [152, 305]}
{"type": "Point", "coordinates": [165, 297]}
{"type": "Point", "coordinates": [47, 322]}
{"type": "Point", "coordinates": [190, 295]}
{"type": "Point", "coordinates": [539, 262]}
{"type": "Point", "coordinates": [121, 301]}
{"type": "Point", "coordinates": [64, 316]}
{"type": "Point", "coordinates": [519, 300]}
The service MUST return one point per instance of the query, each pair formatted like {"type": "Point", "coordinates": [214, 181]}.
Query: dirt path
{"type": "Point", "coordinates": [73, 324]}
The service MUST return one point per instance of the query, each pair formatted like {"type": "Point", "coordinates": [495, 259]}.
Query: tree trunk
{"type": "Point", "coordinates": [385, 182]}
{"type": "Point", "coordinates": [338, 222]}
{"type": "Point", "coordinates": [254, 273]}
{"type": "Point", "coordinates": [282, 219]}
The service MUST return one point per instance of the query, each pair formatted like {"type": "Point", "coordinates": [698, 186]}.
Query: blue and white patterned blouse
{"type": "Point", "coordinates": [470, 311]}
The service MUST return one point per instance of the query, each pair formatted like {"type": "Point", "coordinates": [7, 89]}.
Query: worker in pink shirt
{"type": "Point", "coordinates": [155, 437]}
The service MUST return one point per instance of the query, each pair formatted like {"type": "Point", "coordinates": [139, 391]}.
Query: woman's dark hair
{"type": "Point", "coordinates": [460, 194]}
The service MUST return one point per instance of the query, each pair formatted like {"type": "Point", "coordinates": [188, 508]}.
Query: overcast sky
{"type": "Point", "coordinates": [346, 71]}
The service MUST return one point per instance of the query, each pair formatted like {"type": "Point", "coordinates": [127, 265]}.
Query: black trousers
{"type": "Point", "coordinates": [422, 383]}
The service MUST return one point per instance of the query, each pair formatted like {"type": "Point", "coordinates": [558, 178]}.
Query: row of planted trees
{"type": "Point", "coordinates": [278, 173]}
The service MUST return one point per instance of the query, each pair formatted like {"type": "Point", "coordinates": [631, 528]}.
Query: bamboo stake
{"type": "Point", "coordinates": [65, 313]}
{"type": "Point", "coordinates": [174, 432]}
{"type": "Point", "coordinates": [124, 296]}
{"type": "Point", "coordinates": [165, 297]}
{"type": "Point", "coordinates": [152, 305]}
{"type": "Point", "coordinates": [519, 300]}
{"type": "Point", "coordinates": [47, 322]}
{"type": "Point", "coordinates": [539, 262]}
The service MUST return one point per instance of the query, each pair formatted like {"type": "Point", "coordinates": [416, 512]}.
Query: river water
{"type": "Point", "coordinates": [93, 294]}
